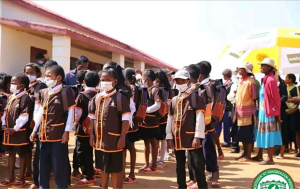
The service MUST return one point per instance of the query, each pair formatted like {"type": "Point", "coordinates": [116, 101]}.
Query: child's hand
{"type": "Point", "coordinates": [10, 131]}
{"type": "Point", "coordinates": [4, 127]}
{"type": "Point", "coordinates": [196, 143]}
{"type": "Point", "coordinates": [32, 136]}
{"type": "Point", "coordinates": [170, 144]}
{"type": "Point", "coordinates": [65, 137]}
{"type": "Point", "coordinates": [92, 141]}
{"type": "Point", "coordinates": [121, 143]}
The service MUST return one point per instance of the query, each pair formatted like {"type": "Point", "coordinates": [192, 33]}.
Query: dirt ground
{"type": "Point", "coordinates": [233, 174]}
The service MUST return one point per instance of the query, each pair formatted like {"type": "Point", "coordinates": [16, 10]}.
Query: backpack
{"type": "Point", "coordinates": [76, 89]}
{"type": "Point", "coordinates": [193, 100]}
{"type": "Point", "coordinates": [22, 105]}
{"type": "Point", "coordinates": [86, 123]}
{"type": "Point", "coordinates": [119, 101]}
{"type": "Point", "coordinates": [164, 94]}
{"type": "Point", "coordinates": [215, 100]}
{"type": "Point", "coordinates": [141, 111]}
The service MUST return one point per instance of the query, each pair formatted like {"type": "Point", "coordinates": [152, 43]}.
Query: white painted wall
{"type": "Point", "coordinates": [15, 50]}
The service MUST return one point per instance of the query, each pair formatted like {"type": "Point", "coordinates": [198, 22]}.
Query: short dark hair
{"type": "Point", "coordinates": [208, 64]}
{"type": "Point", "coordinates": [50, 63]}
{"type": "Point", "coordinates": [4, 81]}
{"type": "Point", "coordinates": [82, 59]}
{"type": "Point", "coordinates": [227, 73]}
{"type": "Point", "coordinates": [40, 56]}
{"type": "Point", "coordinates": [34, 66]}
{"type": "Point", "coordinates": [110, 71]}
{"type": "Point", "coordinates": [163, 78]}
{"type": "Point", "coordinates": [91, 79]}
{"type": "Point", "coordinates": [58, 71]}
{"type": "Point", "coordinates": [150, 74]}
{"type": "Point", "coordinates": [80, 75]}
{"type": "Point", "coordinates": [203, 69]}
{"type": "Point", "coordinates": [194, 71]}
{"type": "Point", "coordinates": [23, 79]}
{"type": "Point", "coordinates": [292, 77]}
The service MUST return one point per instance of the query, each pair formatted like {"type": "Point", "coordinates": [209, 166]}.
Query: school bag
{"type": "Point", "coordinates": [193, 100]}
{"type": "Point", "coordinates": [22, 105]}
{"type": "Point", "coordinates": [164, 94]}
{"type": "Point", "coordinates": [76, 89]}
{"type": "Point", "coordinates": [215, 100]}
{"type": "Point", "coordinates": [141, 112]}
{"type": "Point", "coordinates": [119, 102]}
{"type": "Point", "coordinates": [86, 123]}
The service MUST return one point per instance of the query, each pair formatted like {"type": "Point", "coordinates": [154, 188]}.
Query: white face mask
{"type": "Point", "coordinates": [182, 87]}
{"type": "Point", "coordinates": [40, 62]}
{"type": "Point", "coordinates": [50, 83]}
{"type": "Point", "coordinates": [13, 88]}
{"type": "Point", "coordinates": [32, 78]}
{"type": "Point", "coordinates": [106, 85]}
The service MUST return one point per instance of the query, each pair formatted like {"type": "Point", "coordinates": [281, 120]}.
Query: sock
{"type": "Point", "coordinates": [163, 150]}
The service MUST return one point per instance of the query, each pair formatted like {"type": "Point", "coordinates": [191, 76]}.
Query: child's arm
{"type": "Point", "coordinates": [92, 113]}
{"type": "Point", "coordinates": [200, 123]}
{"type": "Point", "coordinates": [156, 105]}
{"type": "Point", "coordinates": [37, 116]}
{"type": "Point", "coordinates": [169, 127]}
{"type": "Point", "coordinates": [125, 122]}
{"type": "Point", "coordinates": [70, 120]}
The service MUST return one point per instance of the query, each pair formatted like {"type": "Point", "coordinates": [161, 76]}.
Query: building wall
{"type": "Point", "coordinates": [15, 50]}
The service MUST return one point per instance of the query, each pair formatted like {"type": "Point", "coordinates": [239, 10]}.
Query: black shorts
{"type": "Point", "coordinates": [18, 149]}
{"type": "Point", "coordinates": [162, 132]}
{"type": "Point", "coordinates": [109, 162]}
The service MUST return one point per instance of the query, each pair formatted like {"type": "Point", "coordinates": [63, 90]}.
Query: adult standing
{"type": "Point", "coordinates": [245, 109]}
{"type": "Point", "coordinates": [82, 63]}
{"type": "Point", "coordinates": [268, 135]}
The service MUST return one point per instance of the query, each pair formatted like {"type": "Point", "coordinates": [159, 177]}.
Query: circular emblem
{"type": "Point", "coordinates": [273, 179]}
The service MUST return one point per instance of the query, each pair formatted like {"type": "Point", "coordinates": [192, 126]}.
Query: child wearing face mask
{"type": "Point", "coordinates": [185, 130]}
{"type": "Point", "coordinates": [55, 116]}
{"type": "Point", "coordinates": [16, 122]}
{"type": "Point", "coordinates": [33, 72]}
{"type": "Point", "coordinates": [149, 128]}
{"type": "Point", "coordinates": [110, 114]}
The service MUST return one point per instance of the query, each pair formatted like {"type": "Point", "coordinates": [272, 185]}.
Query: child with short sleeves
{"type": "Point", "coordinates": [110, 115]}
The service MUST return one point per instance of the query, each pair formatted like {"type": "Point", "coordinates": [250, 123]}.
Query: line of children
{"type": "Point", "coordinates": [16, 122]}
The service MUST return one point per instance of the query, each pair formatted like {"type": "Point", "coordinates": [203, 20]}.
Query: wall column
{"type": "Point", "coordinates": [139, 65]}
{"type": "Point", "coordinates": [61, 51]}
{"type": "Point", "coordinates": [119, 58]}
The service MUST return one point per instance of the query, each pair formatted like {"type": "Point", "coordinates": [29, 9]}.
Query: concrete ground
{"type": "Point", "coordinates": [233, 174]}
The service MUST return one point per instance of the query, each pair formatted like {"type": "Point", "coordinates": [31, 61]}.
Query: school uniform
{"type": "Point", "coordinates": [33, 92]}
{"type": "Point", "coordinates": [53, 123]}
{"type": "Point", "coordinates": [133, 134]}
{"type": "Point", "coordinates": [209, 148]}
{"type": "Point", "coordinates": [83, 148]}
{"type": "Point", "coordinates": [103, 109]}
{"type": "Point", "coordinates": [185, 123]}
{"type": "Point", "coordinates": [149, 128]}
{"type": "Point", "coordinates": [1, 131]}
{"type": "Point", "coordinates": [17, 115]}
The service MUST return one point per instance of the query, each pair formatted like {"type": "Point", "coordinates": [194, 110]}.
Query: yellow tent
{"type": "Point", "coordinates": [280, 44]}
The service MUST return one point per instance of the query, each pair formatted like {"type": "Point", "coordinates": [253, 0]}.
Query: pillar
{"type": "Point", "coordinates": [139, 65]}
{"type": "Point", "coordinates": [61, 51]}
{"type": "Point", "coordinates": [119, 58]}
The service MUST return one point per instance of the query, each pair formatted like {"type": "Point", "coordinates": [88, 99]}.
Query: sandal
{"type": "Point", "coordinates": [84, 182]}
{"type": "Point", "coordinates": [266, 162]}
{"type": "Point", "coordinates": [190, 183]}
{"type": "Point", "coordinates": [51, 176]}
{"type": "Point", "coordinates": [2, 155]}
{"type": "Point", "coordinates": [194, 186]}
{"type": "Point", "coordinates": [33, 186]}
{"type": "Point", "coordinates": [148, 170]}
{"type": "Point", "coordinates": [19, 184]}
{"type": "Point", "coordinates": [128, 180]}
{"type": "Point", "coordinates": [161, 165]}
{"type": "Point", "coordinates": [244, 160]}
{"type": "Point", "coordinates": [77, 177]}
{"type": "Point", "coordinates": [97, 173]}
{"type": "Point", "coordinates": [7, 182]}
{"type": "Point", "coordinates": [221, 156]}
{"type": "Point", "coordinates": [256, 159]}
{"type": "Point", "coordinates": [215, 184]}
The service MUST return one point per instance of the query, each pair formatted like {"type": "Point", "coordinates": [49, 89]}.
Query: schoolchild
{"type": "Point", "coordinates": [16, 122]}
{"type": "Point", "coordinates": [132, 135]}
{"type": "Point", "coordinates": [149, 128]}
{"type": "Point", "coordinates": [33, 72]}
{"type": "Point", "coordinates": [208, 143]}
{"type": "Point", "coordinates": [82, 129]}
{"type": "Point", "coordinates": [185, 130]}
{"type": "Point", "coordinates": [55, 115]}
{"type": "Point", "coordinates": [110, 114]}
{"type": "Point", "coordinates": [162, 82]}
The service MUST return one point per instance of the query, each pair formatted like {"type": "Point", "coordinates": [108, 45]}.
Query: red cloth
{"type": "Point", "coordinates": [271, 96]}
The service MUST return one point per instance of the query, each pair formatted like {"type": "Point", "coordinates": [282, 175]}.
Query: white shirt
{"type": "Point", "coordinates": [38, 112]}
{"type": "Point", "coordinates": [126, 117]}
{"type": "Point", "coordinates": [200, 122]}
{"type": "Point", "coordinates": [21, 120]}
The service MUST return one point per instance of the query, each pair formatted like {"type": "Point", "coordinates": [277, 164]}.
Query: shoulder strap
{"type": "Point", "coordinates": [37, 88]}
{"type": "Point", "coordinates": [194, 100]}
{"type": "Point", "coordinates": [86, 95]}
{"type": "Point", "coordinates": [65, 99]}
{"type": "Point", "coordinates": [22, 101]}
{"type": "Point", "coordinates": [119, 102]}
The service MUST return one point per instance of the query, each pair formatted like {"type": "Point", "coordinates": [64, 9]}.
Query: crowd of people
{"type": "Point", "coordinates": [177, 115]}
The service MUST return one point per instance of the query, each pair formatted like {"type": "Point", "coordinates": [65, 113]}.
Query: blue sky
{"type": "Point", "coordinates": [179, 32]}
